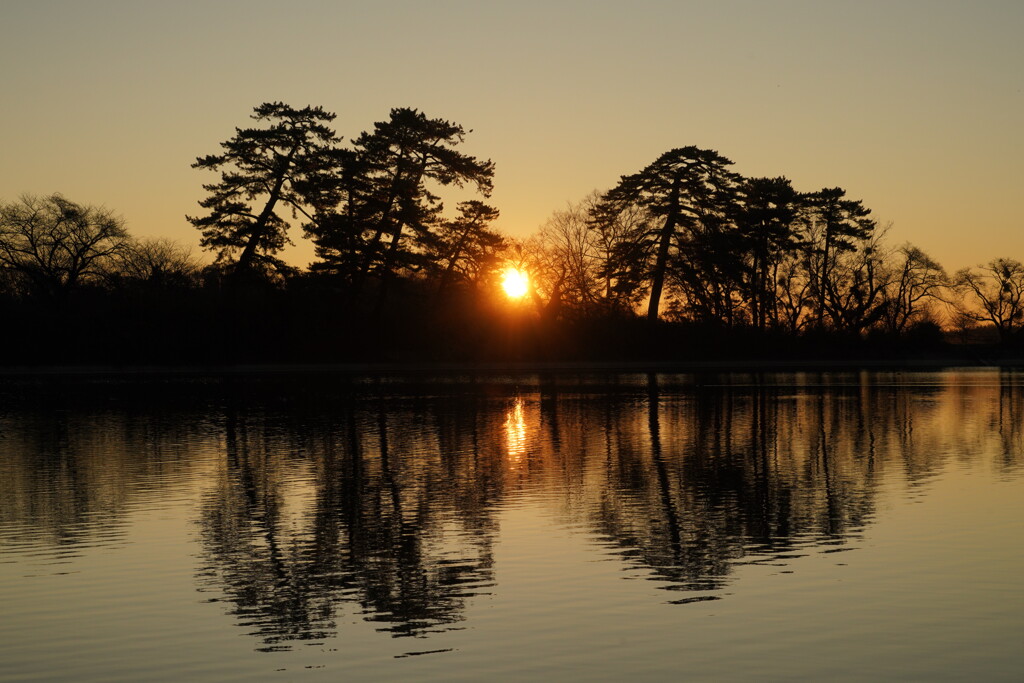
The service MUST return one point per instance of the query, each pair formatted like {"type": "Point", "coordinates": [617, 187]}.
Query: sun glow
{"type": "Point", "coordinates": [515, 283]}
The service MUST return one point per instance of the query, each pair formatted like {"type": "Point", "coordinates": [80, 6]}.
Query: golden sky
{"type": "Point", "coordinates": [915, 106]}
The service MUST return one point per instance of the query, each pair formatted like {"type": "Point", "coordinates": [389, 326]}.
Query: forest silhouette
{"type": "Point", "coordinates": [684, 260]}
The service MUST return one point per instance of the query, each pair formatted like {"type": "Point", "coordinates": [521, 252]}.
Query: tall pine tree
{"type": "Point", "coordinates": [290, 163]}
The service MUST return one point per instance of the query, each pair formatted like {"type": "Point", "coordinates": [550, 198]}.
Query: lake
{"type": "Point", "coordinates": [576, 526]}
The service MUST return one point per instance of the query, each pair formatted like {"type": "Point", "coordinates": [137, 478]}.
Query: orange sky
{"type": "Point", "coordinates": [915, 107]}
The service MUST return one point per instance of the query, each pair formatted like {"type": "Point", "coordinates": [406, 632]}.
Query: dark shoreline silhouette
{"type": "Point", "coordinates": [429, 369]}
{"type": "Point", "coordinates": [685, 261]}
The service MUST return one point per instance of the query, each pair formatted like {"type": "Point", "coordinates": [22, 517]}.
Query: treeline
{"type": "Point", "coordinates": [684, 259]}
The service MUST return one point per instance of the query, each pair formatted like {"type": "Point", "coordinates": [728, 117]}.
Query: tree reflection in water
{"type": "Point", "coordinates": [384, 504]}
{"type": "Point", "coordinates": [394, 517]}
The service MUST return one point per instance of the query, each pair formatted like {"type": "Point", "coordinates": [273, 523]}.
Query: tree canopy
{"type": "Point", "coordinates": [388, 215]}
{"type": "Point", "coordinates": [690, 191]}
{"type": "Point", "coordinates": [290, 162]}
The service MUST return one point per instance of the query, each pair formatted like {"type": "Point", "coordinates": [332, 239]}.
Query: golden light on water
{"type": "Point", "coordinates": [515, 283]}
{"type": "Point", "coordinates": [515, 432]}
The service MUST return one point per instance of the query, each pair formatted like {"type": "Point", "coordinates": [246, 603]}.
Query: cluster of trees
{"type": "Point", "coordinates": [699, 242]}
{"type": "Point", "coordinates": [52, 247]}
{"type": "Point", "coordinates": [370, 208]}
{"type": "Point", "coordinates": [687, 235]}
{"type": "Point", "coordinates": [685, 240]}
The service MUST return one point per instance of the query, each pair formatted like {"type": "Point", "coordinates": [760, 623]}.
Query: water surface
{"type": "Point", "coordinates": [597, 527]}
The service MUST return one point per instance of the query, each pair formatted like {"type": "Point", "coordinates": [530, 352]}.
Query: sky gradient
{"type": "Point", "coordinates": [914, 107]}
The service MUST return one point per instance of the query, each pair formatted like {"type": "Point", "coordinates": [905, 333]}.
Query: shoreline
{"type": "Point", "coordinates": [422, 368]}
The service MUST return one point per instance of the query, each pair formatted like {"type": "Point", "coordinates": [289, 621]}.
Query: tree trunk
{"type": "Point", "coordinates": [661, 262]}
{"type": "Point", "coordinates": [259, 228]}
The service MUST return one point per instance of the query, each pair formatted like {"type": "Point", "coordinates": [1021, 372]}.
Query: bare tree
{"type": "Point", "coordinates": [993, 294]}
{"type": "Point", "coordinates": [599, 250]}
{"type": "Point", "coordinates": [568, 241]}
{"type": "Point", "coordinates": [916, 280]}
{"type": "Point", "coordinates": [158, 262]}
{"type": "Point", "coordinates": [855, 289]}
{"type": "Point", "coordinates": [794, 294]}
{"type": "Point", "coordinates": [547, 273]}
{"type": "Point", "coordinates": [54, 245]}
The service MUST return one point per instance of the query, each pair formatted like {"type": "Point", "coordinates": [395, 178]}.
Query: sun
{"type": "Point", "coordinates": [515, 283]}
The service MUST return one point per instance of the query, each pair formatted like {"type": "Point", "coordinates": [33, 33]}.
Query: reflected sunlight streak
{"type": "Point", "coordinates": [515, 432]}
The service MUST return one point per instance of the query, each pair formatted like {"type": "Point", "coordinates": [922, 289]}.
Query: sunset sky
{"type": "Point", "coordinates": [915, 107]}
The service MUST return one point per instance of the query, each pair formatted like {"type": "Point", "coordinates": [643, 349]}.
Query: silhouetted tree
{"type": "Point", "coordinates": [795, 296]}
{"type": "Point", "coordinates": [158, 262]}
{"type": "Point", "coordinates": [993, 293]}
{"type": "Point", "coordinates": [390, 214]}
{"type": "Point", "coordinates": [547, 274]}
{"type": "Point", "coordinates": [620, 249]}
{"type": "Point", "coordinates": [766, 220]}
{"type": "Point", "coordinates": [566, 241]}
{"type": "Point", "coordinates": [465, 245]}
{"type": "Point", "coordinates": [917, 280]}
{"type": "Point", "coordinates": [54, 245]}
{"type": "Point", "coordinates": [337, 230]}
{"type": "Point", "coordinates": [858, 282]}
{"type": "Point", "coordinates": [692, 192]}
{"type": "Point", "coordinates": [598, 252]}
{"type": "Point", "coordinates": [833, 225]}
{"type": "Point", "coordinates": [292, 162]}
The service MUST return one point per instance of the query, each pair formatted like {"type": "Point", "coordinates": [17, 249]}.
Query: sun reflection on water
{"type": "Point", "coordinates": [515, 432]}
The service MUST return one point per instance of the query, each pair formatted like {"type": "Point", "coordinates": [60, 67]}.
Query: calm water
{"type": "Point", "coordinates": [640, 527]}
